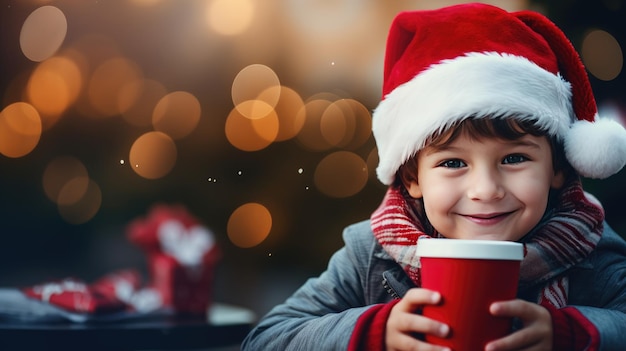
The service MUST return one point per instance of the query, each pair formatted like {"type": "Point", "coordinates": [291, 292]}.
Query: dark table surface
{"type": "Point", "coordinates": [224, 325]}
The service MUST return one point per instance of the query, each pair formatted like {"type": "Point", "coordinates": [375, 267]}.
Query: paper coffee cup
{"type": "Point", "coordinates": [469, 275]}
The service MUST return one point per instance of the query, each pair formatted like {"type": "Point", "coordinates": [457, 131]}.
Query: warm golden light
{"type": "Point", "coordinates": [341, 174]}
{"type": "Point", "coordinates": [108, 81]}
{"type": "Point", "coordinates": [53, 87]}
{"type": "Point", "coordinates": [230, 17]}
{"type": "Point", "coordinates": [337, 15]}
{"type": "Point", "coordinates": [153, 155]}
{"type": "Point", "coordinates": [332, 122]}
{"type": "Point", "coordinates": [251, 134]}
{"type": "Point", "coordinates": [255, 82]}
{"type": "Point", "coordinates": [62, 171]}
{"type": "Point", "coordinates": [254, 109]}
{"type": "Point", "coordinates": [85, 208]}
{"type": "Point", "coordinates": [20, 129]}
{"type": "Point", "coordinates": [372, 163]}
{"type": "Point", "coordinates": [90, 51]}
{"type": "Point", "coordinates": [43, 33]}
{"type": "Point", "coordinates": [146, 2]}
{"type": "Point", "coordinates": [249, 225]}
{"type": "Point", "coordinates": [336, 127]}
{"type": "Point", "coordinates": [358, 120]}
{"type": "Point", "coordinates": [290, 121]}
{"type": "Point", "coordinates": [602, 55]}
{"type": "Point", "coordinates": [177, 114]}
{"type": "Point", "coordinates": [311, 135]}
{"type": "Point", "coordinates": [73, 191]}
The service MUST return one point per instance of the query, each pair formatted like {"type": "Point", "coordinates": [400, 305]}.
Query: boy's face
{"type": "Point", "coordinates": [486, 188]}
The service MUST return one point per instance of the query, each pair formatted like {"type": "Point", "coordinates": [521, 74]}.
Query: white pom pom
{"type": "Point", "coordinates": [596, 149]}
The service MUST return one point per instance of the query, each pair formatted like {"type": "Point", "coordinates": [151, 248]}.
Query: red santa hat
{"type": "Point", "coordinates": [477, 60]}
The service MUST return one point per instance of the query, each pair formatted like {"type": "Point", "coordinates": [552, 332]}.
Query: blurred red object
{"type": "Point", "coordinates": [182, 255]}
{"type": "Point", "coordinates": [75, 295]}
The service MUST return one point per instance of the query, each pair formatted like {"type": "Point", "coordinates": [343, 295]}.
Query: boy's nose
{"type": "Point", "coordinates": [485, 185]}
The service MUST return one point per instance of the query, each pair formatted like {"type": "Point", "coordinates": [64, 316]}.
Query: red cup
{"type": "Point", "coordinates": [469, 275]}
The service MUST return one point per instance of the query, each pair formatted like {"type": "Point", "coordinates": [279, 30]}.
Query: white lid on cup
{"type": "Point", "coordinates": [471, 249]}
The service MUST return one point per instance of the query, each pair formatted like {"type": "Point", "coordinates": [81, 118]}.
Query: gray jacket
{"type": "Point", "coordinates": [322, 314]}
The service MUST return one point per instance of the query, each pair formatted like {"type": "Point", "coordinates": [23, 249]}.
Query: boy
{"type": "Point", "coordinates": [487, 122]}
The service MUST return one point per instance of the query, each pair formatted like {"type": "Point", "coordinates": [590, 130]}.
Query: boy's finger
{"type": "Point", "coordinates": [523, 310]}
{"type": "Point", "coordinates": [513, 308]}
{"type": "Point", "coordinates": [423, 325]}
{"type": "Point", "coordinates": [417, 297]}
{"type": "Point", "coordinates": [521, 339]}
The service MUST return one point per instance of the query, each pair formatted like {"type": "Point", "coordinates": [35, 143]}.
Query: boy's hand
{"type": "Point", "coordinates": [404, 323]}
{"type": "Point", "coordinates": [536, 333]}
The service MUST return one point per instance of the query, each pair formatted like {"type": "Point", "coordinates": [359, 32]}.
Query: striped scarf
{"type": "Point", "coordinates": [565, 236]}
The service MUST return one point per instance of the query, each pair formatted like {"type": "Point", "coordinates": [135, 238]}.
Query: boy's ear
{"type": "Point", "coordinates": [413, 189]}
{"type": "Point", "coordinates": [558, 180]}
{"type": "Point", "coordinates": [408, 177]}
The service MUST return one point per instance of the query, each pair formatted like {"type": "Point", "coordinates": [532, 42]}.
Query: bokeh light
{"type": "Point", "coordinates": [330, 122]}
{"type": "Point", "coordinates": [90, 51]}
{"type": "Point", "coordinates": [252, 83]}
{"type": "Point", "coordinates": [311, 135]}
{"type": "Point", "coordinates": [372, 163]}
{"type": "Point", "coordinates": [230, 17]}
{"type": "Point", "coordinates": [67, 175]}
{"type": "Point", "coordinates": [146, 2]}
{"type": "Point", "coordinates": [20, 129]}
{"type": "Point", "coordinates": [290, 121]}
{"type": "Point", "coordinates": [96, 48]}
{"type": "Point", "coordinates": [108, 81]}
{"type": "Point", "coordinates": [73, 191]}
{"type": "Point", "coordinates": [602, 55]}
{"type": "Point", "coordinates": [341, 174]}
{"type": "Point", "coordinates": [16, 88]}
{"type": "Point", "coordinates": [251, 134]}
{"type": "Point", "coordinates": [138, 100]}
{"type": "Point", "coordinates": [249, 225]}
{"type": "Point", "coordinates": [153, 155]}
{"type": "Point", "coordinates": [85, 208]}
{"type": "Point", "coordinates": [43, 33]}
{"type": "Point", "coordinates": [53, 87]}
{"type": "Point", "coordinates": [335, 126]}
{"type": "Point", "coordinates": [358, 121]}
{"type": "Point", "coordinates": [177, 114]}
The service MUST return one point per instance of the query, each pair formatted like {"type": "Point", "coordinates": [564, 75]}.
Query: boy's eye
{"type": "Point", "coordinates": [454, 163]}
{"type": "Point", "coordinates": [514, 159]}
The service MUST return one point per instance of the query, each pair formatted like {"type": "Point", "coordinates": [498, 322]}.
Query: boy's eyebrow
{"type": "Point", "coordinates": [529, 143]}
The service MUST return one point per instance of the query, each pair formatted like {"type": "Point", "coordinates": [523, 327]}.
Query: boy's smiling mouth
{"type": "Point", "coordinates": [486, 218]}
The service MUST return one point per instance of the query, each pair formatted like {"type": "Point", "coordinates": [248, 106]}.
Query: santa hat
{"type": "Point", "coordinates": [476, 60]}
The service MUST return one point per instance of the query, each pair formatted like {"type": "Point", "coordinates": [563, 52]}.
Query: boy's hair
{"type": "Point", "coordinates": [488, 127]}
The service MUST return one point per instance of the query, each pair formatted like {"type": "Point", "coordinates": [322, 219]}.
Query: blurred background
{"type": "Point", "coordinates": [245, 112]}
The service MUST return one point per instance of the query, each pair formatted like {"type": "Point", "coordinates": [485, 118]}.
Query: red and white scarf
{"type": "Point", "coordinates": [564, 237]}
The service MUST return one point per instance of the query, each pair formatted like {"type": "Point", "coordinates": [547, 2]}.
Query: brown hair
{"type": "Point", "coordinates": [505, 128]}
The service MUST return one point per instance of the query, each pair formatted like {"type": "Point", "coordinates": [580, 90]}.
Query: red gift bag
{"type": "Point", "coordinates": [182, 255]}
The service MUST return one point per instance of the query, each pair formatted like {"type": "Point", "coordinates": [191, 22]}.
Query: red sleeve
{"type": "Point", "coordinates": [573, 331]}
{"type": "Point", "coordinates": [369, 332]}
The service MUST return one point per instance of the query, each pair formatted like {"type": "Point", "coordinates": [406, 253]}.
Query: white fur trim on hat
{"type": "Point", "coordinates": [596, 149]}
{"type": "Point", "coordinates": [476, 84]}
